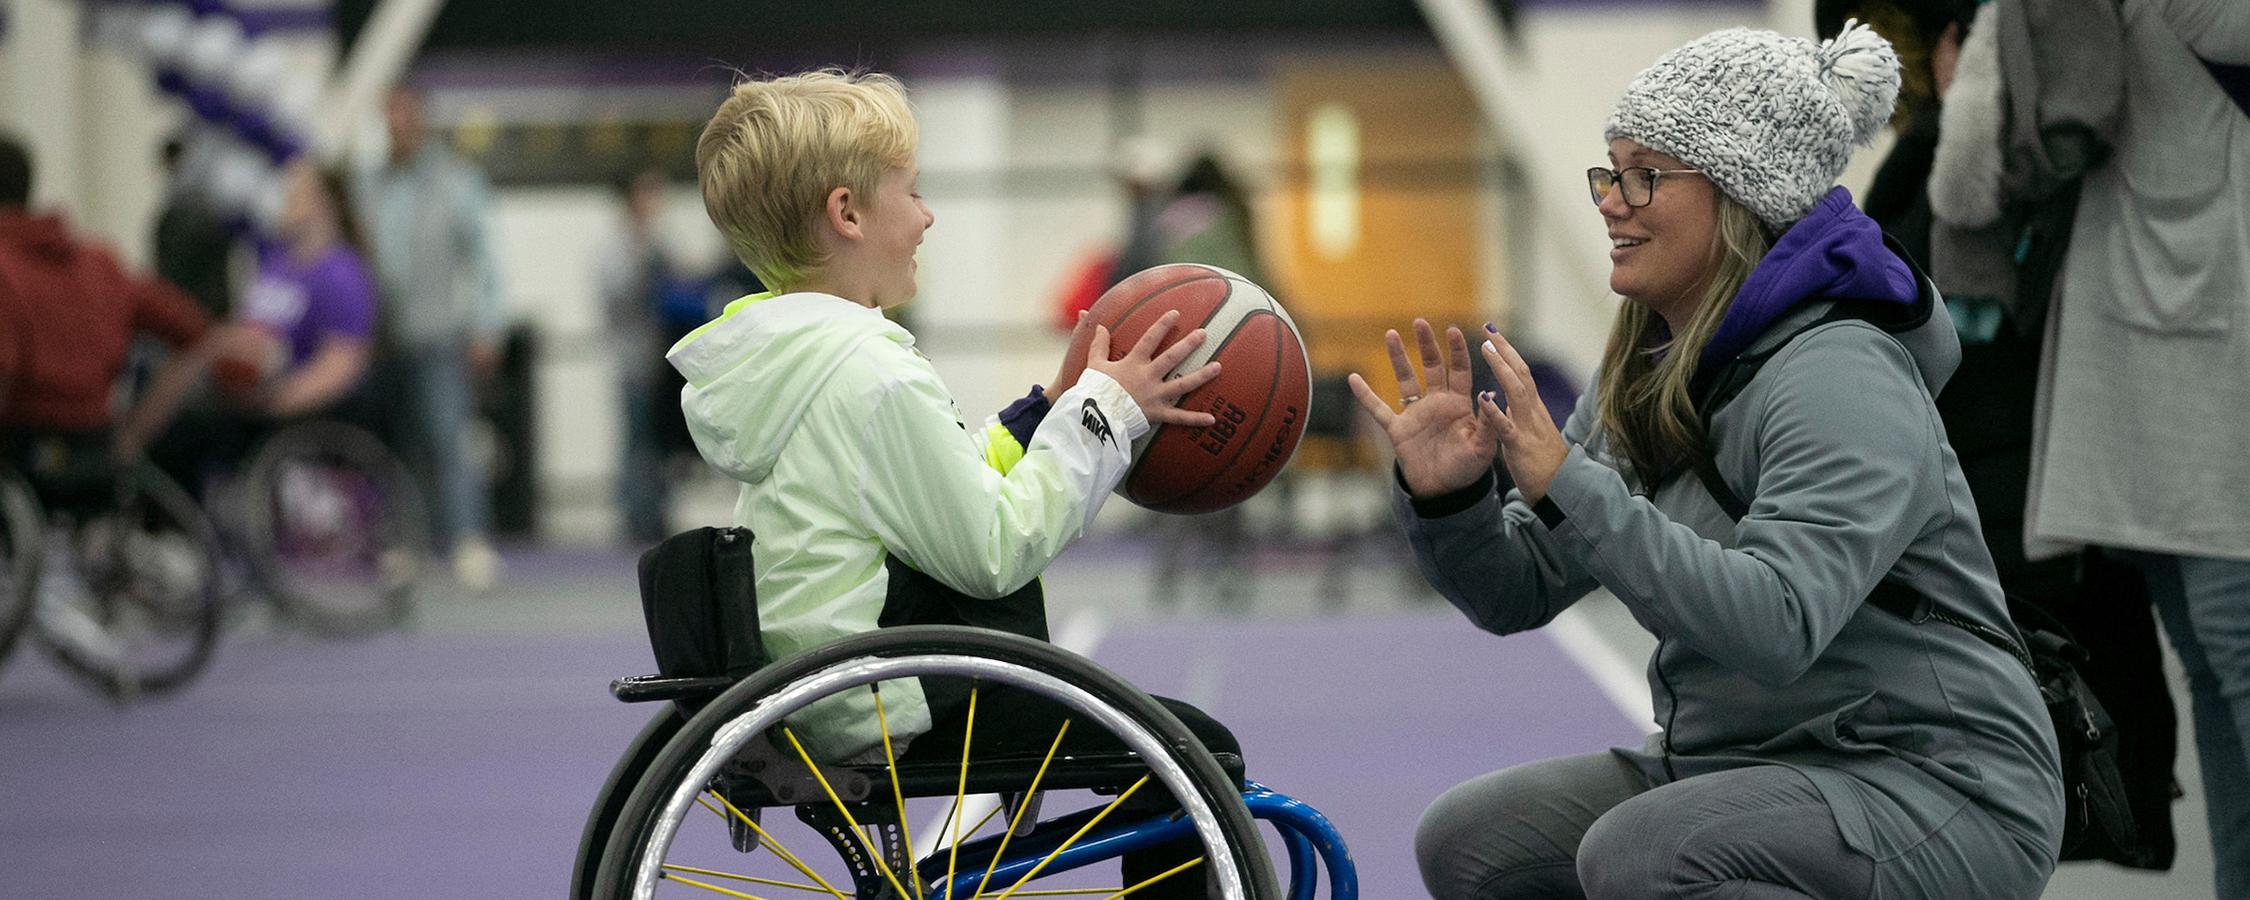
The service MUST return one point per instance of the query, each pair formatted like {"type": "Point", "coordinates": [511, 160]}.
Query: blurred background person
{"type": "Point", "coordinates": [75, 311]}
{"type": "Point", "coordinates": [2147, 360]}
{"type": "Point", "coordinates": [1206, 218]}
{"type": "Point", "coordinates": [303, 335]}
{"type": "Point", "coordinates": [193, 242]}
{"type": "Point", "coordinates": [1987, 406]}
{"type": "Point", "coordinates": [427, 209]}
{"type": "Point", "coordinates": [651, 296]}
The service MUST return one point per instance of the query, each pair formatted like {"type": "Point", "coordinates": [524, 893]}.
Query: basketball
{"type": "Point", "coordinates": [1259, 398]}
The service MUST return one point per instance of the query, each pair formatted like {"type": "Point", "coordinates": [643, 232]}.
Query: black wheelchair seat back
{"type": "Point", "coordinates": [701, 605]}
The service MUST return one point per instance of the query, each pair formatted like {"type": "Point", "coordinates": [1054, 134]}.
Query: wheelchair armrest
{"type": "Point", "coordinates": [646, 688]}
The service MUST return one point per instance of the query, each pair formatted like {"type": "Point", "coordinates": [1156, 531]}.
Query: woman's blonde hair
{"type": "Point", "coordinates": [1644, 404]}
{"type": "Point", "coordinates": [775, 149]}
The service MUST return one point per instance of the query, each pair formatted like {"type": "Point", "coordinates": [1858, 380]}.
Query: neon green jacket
{"type": "Point", "coordinates": [850, 449]}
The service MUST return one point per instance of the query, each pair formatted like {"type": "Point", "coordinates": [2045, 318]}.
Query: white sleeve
{"type": "Point", "coordinates": [929, 495]}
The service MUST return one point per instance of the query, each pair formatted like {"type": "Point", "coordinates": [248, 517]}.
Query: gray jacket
{"type": "Point", "coordinates": [1767, 653]}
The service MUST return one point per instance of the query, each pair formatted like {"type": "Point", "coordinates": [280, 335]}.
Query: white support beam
{"type": "Point", "coordinates": [392, 35]}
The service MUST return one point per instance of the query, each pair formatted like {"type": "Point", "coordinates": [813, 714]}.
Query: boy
{"type": "Point", "coordinates": [871, 503]}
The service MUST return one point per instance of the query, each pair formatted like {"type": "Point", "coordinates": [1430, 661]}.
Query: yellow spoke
{"type": "Point", "coordinates": [897, 794]}
{"type": "Point", "coordinates": [877, 855]}
{"type": "Point", "coordinates": [1017, 820]}
{"type": "Point", "coordinates": [987, 820]}
{"type": "Point", "coordinates": [730, 876]}
{"type": "Point", "coordinates": [1089, 826]}
{"type": "Point", "coordinates": [773, 845]}
{"type": "Point", "coordinates": [690, 882]}
{"type": "Point", "coordinates": [961, 794]}
{"type": "Point", "coordinates": [767, 841]}
{"type": "Point", "coordinates": [1175, 870]}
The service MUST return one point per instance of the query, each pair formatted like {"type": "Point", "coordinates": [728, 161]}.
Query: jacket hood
{"type": "Point", "coordinates": [1838, 255]}
{"type": "Point", "coordinates": [38, 235]}
{"type": "Point", "coordinates": [753, 372]}
{"type": "Point", "coordinates": [1836, 252]}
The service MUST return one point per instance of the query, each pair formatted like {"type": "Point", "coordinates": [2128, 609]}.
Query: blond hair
{"type": "Point", "coordinates": [776, 148]}
{"type": "Point", "coordinates": [1644, 404]}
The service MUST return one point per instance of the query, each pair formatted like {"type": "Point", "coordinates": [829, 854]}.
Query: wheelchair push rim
{"type": "Point", "coordinates": [1234, 859]}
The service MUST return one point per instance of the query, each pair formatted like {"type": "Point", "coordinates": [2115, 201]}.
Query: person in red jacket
{"type": "Point", "coordinates": [68, 314]}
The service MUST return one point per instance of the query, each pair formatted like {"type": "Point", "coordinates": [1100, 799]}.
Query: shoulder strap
{"type": "Point", "coordinates": [1889, 596]}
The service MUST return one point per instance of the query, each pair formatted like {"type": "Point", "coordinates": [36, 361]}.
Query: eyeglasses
{"type": "Point", "coordinates": [1639, 182]}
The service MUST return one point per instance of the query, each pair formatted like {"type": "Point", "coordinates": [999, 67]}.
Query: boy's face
{"type": "Point", "coordinates": [893, 228]}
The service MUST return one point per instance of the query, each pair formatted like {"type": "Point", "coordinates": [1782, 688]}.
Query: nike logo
{"type": "Point", "coordinates": [1096, 424]}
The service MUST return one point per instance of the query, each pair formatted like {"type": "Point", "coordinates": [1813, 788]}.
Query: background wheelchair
{"type": "Point", "coordinates": [112, 571]}
{"type": "Point", "coordinates": [331, 528]}
{"type": "Point", "coordinates": [721, 792]}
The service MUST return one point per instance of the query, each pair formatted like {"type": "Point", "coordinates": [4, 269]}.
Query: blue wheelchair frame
{"type": "Point", "coordinates": [1312, 842]}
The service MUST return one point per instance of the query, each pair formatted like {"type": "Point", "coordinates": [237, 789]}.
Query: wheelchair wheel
{"type": "Point", "coordinates": [737, 804]}
{"type": "Point", "coordinates": [333, 529]}
{"type": "Point", "coordinates": [20, 547]}
{"type": "Point", "coordinates": [639, 755]}
{"type": "Point", "coordinates": [137, 607]}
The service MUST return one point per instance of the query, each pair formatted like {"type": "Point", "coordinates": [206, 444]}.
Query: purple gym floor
{"type": "Point", "coordinates": [460, 763]}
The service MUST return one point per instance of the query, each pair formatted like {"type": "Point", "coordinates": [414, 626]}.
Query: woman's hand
{"type": "Point", "coordinates": [1530, 444]}
{"type": "Point", "coordinates": [1444, 438]}
{"type": "Point", "coordinates": [1145, 373]}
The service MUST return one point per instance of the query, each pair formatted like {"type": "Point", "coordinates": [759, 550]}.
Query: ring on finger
{"type": "Point", "coordinates": [1408, 401]}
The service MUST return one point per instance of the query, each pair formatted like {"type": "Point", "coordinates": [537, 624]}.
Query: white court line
{"type": "Point", "coordinates": [1080, 632]}
{"type": "Point", "coordinates": [1625, 683]}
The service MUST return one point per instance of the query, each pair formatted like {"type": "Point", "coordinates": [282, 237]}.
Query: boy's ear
{"type": "Point", "coordinates": [843, 213]}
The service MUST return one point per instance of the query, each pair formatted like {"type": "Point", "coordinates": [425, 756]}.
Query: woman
{"type": "Point", "coordinates": [1813, 745]}
{"type": "Point", "coordinates": [301, 336]}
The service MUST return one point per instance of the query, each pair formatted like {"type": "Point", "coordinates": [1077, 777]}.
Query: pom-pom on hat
{"type": "Point", "coordinates": [1769, 119]}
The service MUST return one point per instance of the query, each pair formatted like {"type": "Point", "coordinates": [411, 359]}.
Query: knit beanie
{"type": "Point", "coordinates": [1769, 119]}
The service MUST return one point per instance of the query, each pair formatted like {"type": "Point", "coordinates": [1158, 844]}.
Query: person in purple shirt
{"type": "Point", "coordinates": [311, 310]}
{"type": "Point", "coordinates": [301, 338]}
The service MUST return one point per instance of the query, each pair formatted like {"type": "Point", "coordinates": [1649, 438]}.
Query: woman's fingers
{"type": "Point", "coordinates": [1376, 407]}
{"type": "Point", "coordinates": [1409, 384]}
{"type": "Point", "coordinates": [1458, 376]}
{"type": "Point", "coordinates": [1516, 386]}
{"type": "Point", "coordinates": [1433, 358]}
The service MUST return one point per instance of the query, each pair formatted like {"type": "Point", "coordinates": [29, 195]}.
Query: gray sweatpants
{"type": "Point", "coordinates": [1591, 826]}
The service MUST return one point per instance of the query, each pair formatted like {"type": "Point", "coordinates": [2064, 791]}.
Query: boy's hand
{"type": "Point", "coordinates": [1073, 363]}
{"type": "Point", "coordinates": [1143, 372]}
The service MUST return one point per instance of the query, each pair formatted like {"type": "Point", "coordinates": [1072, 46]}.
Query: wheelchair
{"type": "Point", "coordinates": [113, 571]}
{"type": "Point", "coordinates": [331, 528]}
{"type": "Point", "coordinates": [718, 794]}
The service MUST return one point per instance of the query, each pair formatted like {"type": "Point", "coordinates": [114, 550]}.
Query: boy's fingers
{"type": "Point", "coordinates": [1368, 401]}
{"type": "Point", "coordinates": [1154, 337]}
{"type": "Point", "coordinates": [1178, 353]}
{"type": "Point", "coordinates": [1173, 415]}
{"type": "Point", "coordinates": [1098, 349]}
{"type": "Point", "coordinates": [1408, 383]}
{"type": "Point", "coordinates": [1181, 386]}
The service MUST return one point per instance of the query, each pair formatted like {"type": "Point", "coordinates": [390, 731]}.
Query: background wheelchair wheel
{"type": "Point", "coordinates": [725, 806]}
{"type": "Point", "coordinates": [333, 529]}
{"type": "Point", "coordinates": [20, 546]}
{"type": "Point", "coordinates": [137, 607]}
